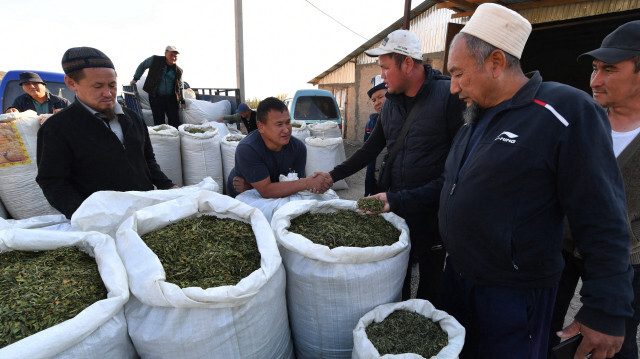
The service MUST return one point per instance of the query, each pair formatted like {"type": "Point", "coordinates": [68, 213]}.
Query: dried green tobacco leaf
{"type": "Point", "coordinates": [41, 289]}
{"type": "Point", "coordinates": [232, 138]}
{"type": "Point", "coordinates": [345, 228]}
{"type": "Point", "coordinates": [295, 124]}
{"type": "Point", "coordinates": [194, 130]}
{"type": "Point", "coordinates": [206, 251]}
{"type": "Point", "coordinates": [375, 205]}
{"type": "Point", "coordinates": [407, 332]}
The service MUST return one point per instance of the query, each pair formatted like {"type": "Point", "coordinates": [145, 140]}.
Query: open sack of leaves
{"type": "Point", "coordinates": [331, 285]}
{"type": "Point", "coordinates": [213, 316]}
{"type": "Point", "coordinates": [372, 330]}
{"type": "Point", "coordinates": [54, 289]}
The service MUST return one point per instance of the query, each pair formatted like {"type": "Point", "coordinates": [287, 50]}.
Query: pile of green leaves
{"type": "Point", "coordinates": [232, 138]}
{"type": "Point", "coordinates": [375, 205]}
{"type": "Point", "coordinates": [194, 130]}
{"type": "Point", "coordinates": [407, 332]}
{"type": "Point", "coordinates": [296, 124]}
{"type": "Point", "coordinates": [345, 228]}
{"type": "Point", "coordinates": [41, 289]}
{"type": "Point", "coordinates": [206, 251]}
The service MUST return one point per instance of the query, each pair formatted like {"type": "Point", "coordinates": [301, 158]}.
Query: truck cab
{"type": "Point", "coordinates": [314, 105]}
{"type": "Point", "coordinates": [10, 87]}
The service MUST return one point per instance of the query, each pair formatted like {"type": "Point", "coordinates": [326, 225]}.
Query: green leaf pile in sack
{"type": "Point", "coordinates": [165, 141]}
{"type": "Point", "coordinates": [228, 148]}
{"type": "Point", "coordinates": [19, 192]}
{"type": "Point", "coordinates": [330, 289]}
{"type": "Point", "coordinates": [97, 332]}
{"type": "Point", "coordinates": [245, 320]}
{"type": "Point", "coordinates": [269, 206]}
{"type": "Point", "coordinates": [201, 157]}
{"type": "Point", "coordinates": [363, 348]}
{"type": "Point", "coordinates": [323, 154]}
{"type": "Point", "coordinates": [327, 129]}
{"type": "Point", "coordinates": [104, 211]}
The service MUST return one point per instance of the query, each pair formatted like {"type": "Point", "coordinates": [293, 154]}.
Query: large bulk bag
{"type": "Point", "coordinates": [246, 320]}
{"type": "Point", "coordinates": [3, 211]}
{"type": "Point", "coordinates": [228, 148]}
{"type": "Point", "coordinates": [143, 96]}
{"type": "Point", "coordinates": [165, 141]}
{"type": "Point", "coordinates": [198, 112]}
{"type": "Point", "coordinates": [329, 290]}
{"type": "Point", "coordinates": [301, 132]}
{"type": "Point", "coordinates": [269, 206]}
{"type": "Point", "coordinates": [323, 154]}
{"type": "Point", "coordinates": [201, 155]}
{"type": "Point", "coordinates": [363, 348]}
{"type": "Point", "coordinates": [97, 332]}
{"type": "Point", "coordinates": [104, 211]}
{"type": "Point", "coordinates": [327, 129]}
{"type": "Point", "coordinates": [19, 192]}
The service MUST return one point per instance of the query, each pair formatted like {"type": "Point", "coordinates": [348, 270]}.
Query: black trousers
{"type": "Point", "coordinates": [161, 105]}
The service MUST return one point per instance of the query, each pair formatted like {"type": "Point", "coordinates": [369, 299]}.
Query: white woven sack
{"type": "Point", "coordinates": [50, 221]}
{"type": "Point", "coordinates": [329, 290]}
{"type": "Point", "coordinates": [323, 154]}
{"type": "Point", "coordinates": [198, 112]}
{"type": "Point", "coordinates": [165, 141]}
{"type": "Point", "coordinates": [189, 94]}
{"type": "Point", "coordinates": [364, 349]}
{"type": "Point", "coordinates": [247, 320]}
{"type": "Point", "coordinates": [327, 129]}
{"type": "Point", "coordinates": [223, 130]}
{"type": "Point", "coordinates": [19, 192]}
{"type": "Point", "coordinates": [301, 132]}
{"type": "Point", "coordinates": [104, 211]}
{"type": "Point", "coordinates": [228, 148]}
{"type": "Point", "coordinates": [143, 96]}
{"type": "Point", "coordinates": [201, 156]}
{"type": "Point", "coordinates": [97, 332]}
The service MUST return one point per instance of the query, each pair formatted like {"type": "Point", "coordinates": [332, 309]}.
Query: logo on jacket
{"type": "Point", "coordinates": [506, 136]}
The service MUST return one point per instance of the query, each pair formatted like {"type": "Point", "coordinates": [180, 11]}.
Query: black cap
{"type": "Point", "coordinates": [380, 86]}
{"type": "Point", "coordinates": [78, 58]}
{"type": "Point", "coordinates": [30, 77]}
{"type": "Point", "coordinates": [622, 44]}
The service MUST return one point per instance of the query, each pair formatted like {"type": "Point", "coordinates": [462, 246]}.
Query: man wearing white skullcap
{"type": "Point", "coordinates": [531, 153]}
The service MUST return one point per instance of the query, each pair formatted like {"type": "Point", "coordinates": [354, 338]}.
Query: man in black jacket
{"type": "Point", "coordinates": [94, 144]}
{"type": "Point", "coordinates": [36, 96]}
{"type": "Point", "coordinates": [164, 86]}
{"type": "Point", "coordinates": [531, 153]}
{"type": "Point", "coordinates": [411, 87]}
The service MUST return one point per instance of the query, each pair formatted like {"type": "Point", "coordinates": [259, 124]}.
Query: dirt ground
{"type": "Point", "coordinates": [356, 191]}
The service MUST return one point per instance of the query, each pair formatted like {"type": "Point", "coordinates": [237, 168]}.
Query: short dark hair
{"type": "Point", "coordinates": [76, 75]}
{"type": "Point", "coordinates": [268, 104]}
{"type": "Point", "coordinates": [398, 58]}
{"type": "Point", "coordinates": [480, 50]}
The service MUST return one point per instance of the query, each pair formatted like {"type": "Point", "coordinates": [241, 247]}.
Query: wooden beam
{"type": "Point", "coordinates": [464, 4]}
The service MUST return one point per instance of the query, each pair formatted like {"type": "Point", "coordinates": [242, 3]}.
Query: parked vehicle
{"type": "Point", "coordinates": [10, 87]}
{"type": "Point", "coordinates": [314, 105]}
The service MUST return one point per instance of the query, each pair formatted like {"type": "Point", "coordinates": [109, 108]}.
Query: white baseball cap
{"type": "Point", "coordinates": [401, 42]}
{"type": "Point", "coordinates": [171, 48]}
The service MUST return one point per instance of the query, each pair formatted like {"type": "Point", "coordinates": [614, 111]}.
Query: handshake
{"type": "Point", "coordinates": [319, 182]}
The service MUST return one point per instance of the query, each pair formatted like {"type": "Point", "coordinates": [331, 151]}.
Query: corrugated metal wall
{"type": "Point", "coordinates": [346, 74]}
{"type": "Point", "coordinates": [577, 10]}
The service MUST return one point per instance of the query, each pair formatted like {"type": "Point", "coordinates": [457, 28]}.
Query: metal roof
{"type": "Point", "coordinates": [462, 8]}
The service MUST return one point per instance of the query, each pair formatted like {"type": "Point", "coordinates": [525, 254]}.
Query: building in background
{"type": "Point", "coordinates": [562, 30]}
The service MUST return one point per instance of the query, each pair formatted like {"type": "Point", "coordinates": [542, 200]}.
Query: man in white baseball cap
{"type": "Point", "coordinates": [418, 96]}
{"type": "Point", "coordinates": [532, 154]}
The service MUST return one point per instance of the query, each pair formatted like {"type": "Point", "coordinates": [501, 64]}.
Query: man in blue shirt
{"type": "Point", "coordinates": [269, 152]}
{"type": "Point", "coordinates": [164, 86]}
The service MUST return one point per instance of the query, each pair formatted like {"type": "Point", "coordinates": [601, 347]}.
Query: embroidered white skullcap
{"type": "Point", "coordinates": [500, 27]}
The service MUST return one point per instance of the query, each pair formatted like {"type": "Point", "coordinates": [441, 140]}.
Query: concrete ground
{"type": "Point", "coordinates": [356, 191]}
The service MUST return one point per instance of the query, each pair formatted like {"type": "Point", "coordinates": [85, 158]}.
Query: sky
{"type": "Point", "coordinates": [286, 42]}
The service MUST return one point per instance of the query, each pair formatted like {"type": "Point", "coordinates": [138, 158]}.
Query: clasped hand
{"type": "Point", "coordinates": [319, 182]}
